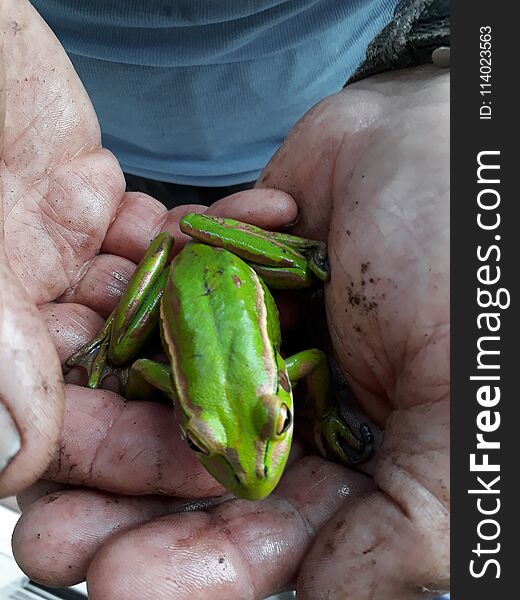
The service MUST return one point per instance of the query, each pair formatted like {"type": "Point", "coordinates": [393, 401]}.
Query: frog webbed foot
{"type": "Point", "coordinates": [93, 358]}
{"type": "Point", "coordinates": [338, 441]}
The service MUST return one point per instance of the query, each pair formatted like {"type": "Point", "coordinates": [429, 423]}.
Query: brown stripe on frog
{"type": "Point", "coordinates": [268, 357]}
{"type": "Point", "coordinates": [232, 457]}
{"type": "Point", "coordinates": [204, 432]}
{"type": "Point", "coordinates": [260, 452]}
{"type": "Point", "coordinates": [271, 403]}
{"type": "Point", "coordinates": [179, 379]}
{"type": "Point", "coordinates": [283, 381]}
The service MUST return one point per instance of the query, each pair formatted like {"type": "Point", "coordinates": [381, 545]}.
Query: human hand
{"type": "Point", "coordinates": [369, 169]}
{"type": "Point", "coordinates": [31, 404]}
{"type": "Point", "coordinates": [59, 194]}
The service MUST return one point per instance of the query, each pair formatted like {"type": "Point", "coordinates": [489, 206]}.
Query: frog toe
{"type": "Point", "coordinates": [336, 440]}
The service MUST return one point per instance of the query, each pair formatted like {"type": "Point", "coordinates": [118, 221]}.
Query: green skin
{"type": "Point", "coordinates": [221, 332]}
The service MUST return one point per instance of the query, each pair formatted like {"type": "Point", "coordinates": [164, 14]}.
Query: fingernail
{"type": "Point", "coordinates": [291, 223]}
{"type": "Point", "coordinates": [10, 442]}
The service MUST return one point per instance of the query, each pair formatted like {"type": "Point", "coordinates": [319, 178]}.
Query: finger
{"type": "Point", "coordinates": [71, 526]}
{"type": "Point", "coordinates": [393, 543]}
{"type": "Point", "coordinates": [269, 209]}
{"type": "Point", "coordinates": [31, 390]}
{"type": "Point", "coordinates": [70, 326]}
{"type": "Point", "coordinates": [126, 447]}
{"type": "Point", "coordinates": [239, 550]}
{"type": "Point", "coordinates": [129, 234]}
{"type": "Point", "coordinates": [261, 543]}
{"type": "Point", "coordinates": [44, 488]}
{"type": "Point", "coordinates": [139, 219]}
{"type": "Point", "coordinates": [39, 489]}
{"type": "Point", "coordinates": [102, 285]}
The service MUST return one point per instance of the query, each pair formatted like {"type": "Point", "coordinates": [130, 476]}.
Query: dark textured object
{"type": "Point", "coordinates": [418, 29]}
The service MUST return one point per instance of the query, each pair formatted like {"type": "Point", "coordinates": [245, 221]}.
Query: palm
{"type": "Point", "coordinates": [58, 193]}
{"type": "Point", "coordinates": [387, 226]}
{"type": "Point", "coordinates": [380, 197]}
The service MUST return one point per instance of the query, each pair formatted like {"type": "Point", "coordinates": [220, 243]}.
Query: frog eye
{"type": "Point", "coordinates": [284, 420]}
{"type": "Point", "coordinates": [195, 445]}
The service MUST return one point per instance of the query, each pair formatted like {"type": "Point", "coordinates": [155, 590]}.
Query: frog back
{"type": "Point", "coordinates": [221, 331]}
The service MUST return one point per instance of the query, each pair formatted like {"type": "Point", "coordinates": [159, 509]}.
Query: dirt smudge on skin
{"type": "Point", "coordinates": [339, 525]}
{"type": "Point", "coordinates": [364, 293]}
{"type": "Point", "coordinates": [330, 549]}
{"type": "Point", "coordinates": [356, 299]}
{"type": "Point", "coordinates": [15, 27]}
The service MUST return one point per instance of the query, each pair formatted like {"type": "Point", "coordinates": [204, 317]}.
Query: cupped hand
{"type": "Point", "coordinates": [369, 169]}
{"type": "Point", "coordinates": [370, 164]}
{"type": "Point", "coordinates": [58, 194]}
{"type": "Point", "coordinates": [70, 237]}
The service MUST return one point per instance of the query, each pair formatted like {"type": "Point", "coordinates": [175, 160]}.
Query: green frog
{"type": "Point", "coordinates": [220, 330]}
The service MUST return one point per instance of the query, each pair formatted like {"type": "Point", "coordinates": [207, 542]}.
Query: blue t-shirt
{"type": "Point", "coordinates": [202, 92]}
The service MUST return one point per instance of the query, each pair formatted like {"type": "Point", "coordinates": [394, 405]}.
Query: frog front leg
{"type": "Point", "coordinates": [335, 437]}
{"type": "Point", "coordinates": [132, 321]}
{"type": "Point", "coordinates": [145, 376]}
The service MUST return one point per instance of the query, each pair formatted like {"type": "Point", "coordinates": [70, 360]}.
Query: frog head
{"type": "Point", "coordinates": [248, 455]}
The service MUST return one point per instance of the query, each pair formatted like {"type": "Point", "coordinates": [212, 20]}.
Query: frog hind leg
{"type": "Point", "coordinates": [335, 437]}
{"type": "Point", "coordinates": [93, 356]}
{"type": "Point", "coordinates": [282, 260]}
{"type": "Point", "coordinates": [131, 322]}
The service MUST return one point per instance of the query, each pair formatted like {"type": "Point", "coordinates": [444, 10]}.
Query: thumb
{"type": "Point", "coordinates": [305, 164]}
{"type": "Point", "coordinates": [31, 389]}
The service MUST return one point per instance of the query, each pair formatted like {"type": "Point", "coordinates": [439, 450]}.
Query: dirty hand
{"type": "Point", "coordinates": [69, 240]}
{"type": "Point", "coordinates": [369, 170]}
